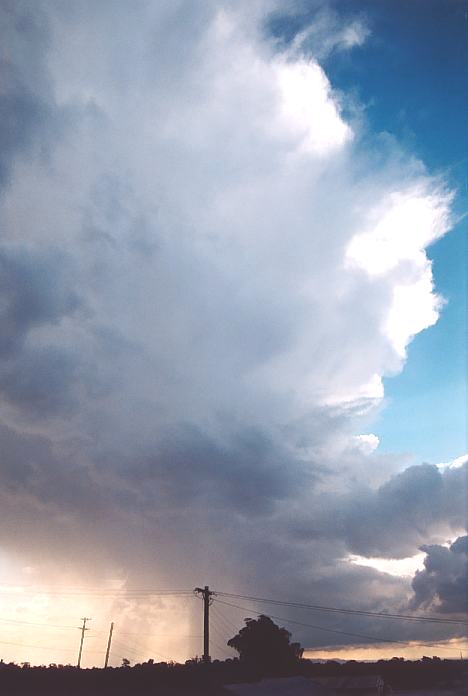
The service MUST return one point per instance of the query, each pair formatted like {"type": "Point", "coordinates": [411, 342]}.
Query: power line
{"type": "Point", "coordinates": [44, 647]}
{"type": "Point", "coordinates": [320, 628]}
{"type": "Point", "coordinates": [138, 651]}
{"type": "Point", "coordinates": [228, 625]}
{"type": "Point", "coordinates": [128, 648]}
{"type": "Point", "coordinates": [357, 612]}
{"type": "Point", "coordinates": [95, 592]}
{"type": "Point", "coordinates": [159, 635]}
{"type": "Point", "coordinates": [217, 629]}
{"type": "Point", "coordinates": [39, 647]}
{"type": "Point", "coordinates": [332, 630]}
{"type": "Point", "coordinates": [34, 623]}
{"type": "Point", "coordinates": [221, 623]}
{"type": "Point", "coordinates": [230, 630]}
{"type": "Point", "coordinates": [145, 592]}
{"type": "Point", "coordinates": [223, 651]}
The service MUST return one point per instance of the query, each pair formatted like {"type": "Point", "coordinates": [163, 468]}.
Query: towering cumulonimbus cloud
{"type": "Point", "coordinates": [205, 276]}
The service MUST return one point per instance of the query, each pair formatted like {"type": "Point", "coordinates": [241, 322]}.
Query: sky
{"type": "Point", "coordinates": [233, 316]}
{"type": "Point", "coordinates": [421, 48]}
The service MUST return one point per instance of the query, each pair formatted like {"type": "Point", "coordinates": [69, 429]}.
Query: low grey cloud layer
{"type": "Point", "coordinates": [393, 520]}
{"type": "Point", "coordinates": [196, 310]}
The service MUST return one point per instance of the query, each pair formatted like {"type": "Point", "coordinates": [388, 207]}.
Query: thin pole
{"type": "Point", "coordinates": [206, 595]}
{"type": "Point", "coordinates": [83, 629]}
{"type": "Point", "coordinates": [109, 644]}
{"type": "Point", "coordinates": [206, 624]}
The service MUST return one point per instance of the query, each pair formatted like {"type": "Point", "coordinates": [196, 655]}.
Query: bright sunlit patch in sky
{"type": "Point", "coordinates": [42, 626]}
{"type": "Point", "coordinates": [402, 567]}
{"type": "Point", "coordinates": [449, 649]}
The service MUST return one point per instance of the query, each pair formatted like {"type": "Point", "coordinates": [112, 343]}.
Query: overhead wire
{"type": "Point", "coordinates": [29, 645]}
{"type": "Point", "coordinates": [229, 626]}
{"type": "Point", "coordinates": [222, 650]}
{"type": "Point", "coordinates": [139, 649]}
{"type": "Point", "coordinates": [128, 648]}
{"type": "Point", "coordinates": [220, 623]}
{"type": "Point", "coordinates": [159, 635]}
{"type": "Point", "coordinates": [357, 612]}
{"type": "Point", "coordinates": [45, 647]}
{"type": "Point", "coordinates": [146, 592]}
{"type": "Point", "coordinates": [331, 630]}
{"type": "Point", "coordinates": [94, 592]}
{"type": "Point", "coordinates": [220, 631]}
{"type": "Point", "coordinates": [215, 627]}
{"type": "Point", "coordinates": [34, 623]}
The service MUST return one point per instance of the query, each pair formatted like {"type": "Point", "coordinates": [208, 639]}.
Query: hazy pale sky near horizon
{"type": "Point", "coordinates": [232, 318]}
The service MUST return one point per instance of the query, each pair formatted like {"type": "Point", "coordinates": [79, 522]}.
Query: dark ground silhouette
{"type": "Point", "coordinates": [195, 677]}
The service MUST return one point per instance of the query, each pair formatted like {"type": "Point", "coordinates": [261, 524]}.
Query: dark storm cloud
{"type": "Point", "coordinates": [394, 519]}
{"type": "Point", "coordinates": [40, 382]}
{"type": "Point", "coordinates": [443, 584]}
{"type": "Point", "coordinates": [26, 116]}
{"type": "Point", "coordinates": [246, 474]}
{"type": "Point", "coordinates": [33, 468]}
{"type": "Point", "coordinates": [402, 512]}
{"type": "Point", "coordinates": [36, 288]}
{"type": "Point", "coordinates": [36, 281]}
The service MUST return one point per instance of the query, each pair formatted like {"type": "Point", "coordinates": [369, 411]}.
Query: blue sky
{"type": "Point", "coordinates": [421, 48]}
{"type": "Point", "coordinates": [410, 75]}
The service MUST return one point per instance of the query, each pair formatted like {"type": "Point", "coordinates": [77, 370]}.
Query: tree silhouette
{"type": "Point", "coordinates": [263, 645]}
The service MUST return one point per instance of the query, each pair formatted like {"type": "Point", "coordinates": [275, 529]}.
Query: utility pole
{"type": "Point", "coordinates": [109, 644]}
{"type": "Point", "coordinates": [83, 629]}
{"type": "Point", "coordinates": [206, 594]}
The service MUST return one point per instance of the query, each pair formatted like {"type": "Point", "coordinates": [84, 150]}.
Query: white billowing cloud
{"type": "Point", "coordinates": [399, 230]}
{"type": "Point", "coordinates": [308, 110]}
{"type": "Point", "coordinates": [414, 308]}
{"type": "Point", "coordinates": [367, 443]}
{"type": "Point", "coordinates": [455, 463]}
{"type": "Point", "coordinates": [207, 281]}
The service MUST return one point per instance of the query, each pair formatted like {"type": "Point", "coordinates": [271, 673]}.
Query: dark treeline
{"type": "Point", "coordinates": [196, 677]}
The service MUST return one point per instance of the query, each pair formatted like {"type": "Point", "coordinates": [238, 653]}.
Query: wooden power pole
{"type": "Point", "coordinates": [109, 644]}
{"type": "Point", "coordinates": [83, 629]}
{"type": "Point", "coordinates": [206, 595]}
